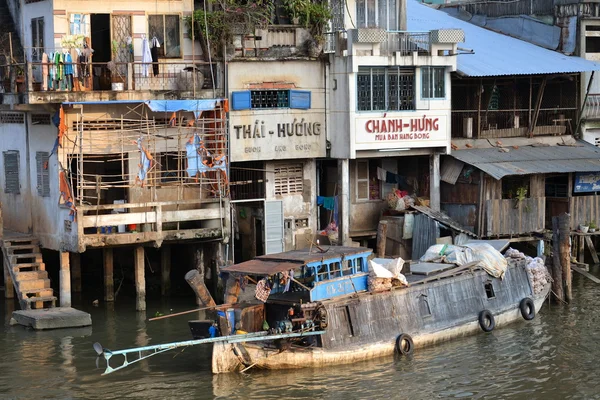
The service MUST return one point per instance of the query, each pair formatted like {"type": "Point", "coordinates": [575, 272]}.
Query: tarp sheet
{"type": "Point", "coordinates": [490, 259]}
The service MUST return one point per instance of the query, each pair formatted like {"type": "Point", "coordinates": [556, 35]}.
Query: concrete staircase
{"type": "Point", "coordinates": [23, 259]}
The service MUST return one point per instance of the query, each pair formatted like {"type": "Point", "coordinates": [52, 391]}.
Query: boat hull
{"type": "Point", "coordinates": [235, 357]}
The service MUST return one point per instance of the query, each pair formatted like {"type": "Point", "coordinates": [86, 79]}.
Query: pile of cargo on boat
{"type": "Point", "coordinates": [537, 272]}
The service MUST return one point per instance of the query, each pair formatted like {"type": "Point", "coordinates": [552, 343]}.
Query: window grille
{"type": "Point", "coordinates": [368, 187]}
{"type": "Point", "coordinates": [167, 30]}
{"type": "Point", "coordinates": [377, 14]}
{"type": "Point", "coordinates": [270, 98]}
{"type": "Point", "coordinates": [288, 179]}
{"type": "Point", "coordinates": [12, 118]}
{"type": "Point", "coordinates": [433, 85]}
{"type": "Point", "coordinates": [43, 173]}
{"type": "Point", "coordinates": [385, 89]}
{"type": "Point", "coordinates": [40, 119]}
{"type": "Point", "coordinates": [11, 171]}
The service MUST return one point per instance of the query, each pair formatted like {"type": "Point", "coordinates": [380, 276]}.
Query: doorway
{"type": "Point", "coordinates": [100, 35]}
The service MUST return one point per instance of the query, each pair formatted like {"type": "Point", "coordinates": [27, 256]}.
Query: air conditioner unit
{"type": "Point", "coordinates": [592, 136]}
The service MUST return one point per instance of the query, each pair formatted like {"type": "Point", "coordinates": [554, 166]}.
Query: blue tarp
{"type": "Point", "coordinates": [194, 106]}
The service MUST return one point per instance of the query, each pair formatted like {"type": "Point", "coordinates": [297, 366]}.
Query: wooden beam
{"type": "Point", "coordinates": [109, 283]}
{"type": "Point", "coordinates": [140, 279]}
{"type": "Point", "coordinates": [538, 105]}
{"type": "Point", "coordinates": [564, 222]}
{"type": "Point", "coordinates": [585, 273]}
{"type": "Point", "coordinates": [165, 270]}
{"type": "Point", "coordinates": [592, 249]}
{"type": "Point", "coordinates": [557, 280]}
{"type": "Point", "coordinates": [381, 238]}
{"type": "Point", "coordinates": [65, 279]}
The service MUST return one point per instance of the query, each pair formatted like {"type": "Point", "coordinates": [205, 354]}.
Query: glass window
{"type": "Point", "coordinates": [166, 28]}
{"type": "Point", "coordinates": [433, 85]}
{"type": "Point", "coordinates": [377, 14]}
{"type": "Point", "coordinates": [385, 89]}
{"type": "Point", "coordinates": [37, 38]}
{"type": "Point", "coordinates": [79, 24]}
{"type": "Point", "coordinates": [368, 186]}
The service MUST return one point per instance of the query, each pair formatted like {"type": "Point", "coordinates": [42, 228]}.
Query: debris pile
{"type": "Point", "coordinates": [536, 270]}
{"type": "Point", "coordinates": [385, 274]}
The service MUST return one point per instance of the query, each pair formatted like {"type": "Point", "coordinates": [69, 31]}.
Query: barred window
{"type": "Point", "coordinates": [385, 88]}
{"type": "Point", "coordinates": [12, 118]}
{"type": "Point", "coordinates": [433, 85]}
{"type": "Point", "coordinates": [166, 28]}
{"type": "Point", "coordinates": [288, 179]}
{"type": "Point", "coordinates": [377, 14]}
{"type": "Point", "coordinates": [368, 186]}
{"type": "Point", "coordinates": [270, 98]}
{"type": "Point", "coordinates": [40, 119]}
{"type": "Point", "coordinates": [11, 172]}
{"type": "Point", "coordinates": [43, 173]}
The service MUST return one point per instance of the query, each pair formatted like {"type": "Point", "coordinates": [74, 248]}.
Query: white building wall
{"type": "Point", "coordinates": [37, 10]}
{"type": "Point", "coordinates": [16, 208]}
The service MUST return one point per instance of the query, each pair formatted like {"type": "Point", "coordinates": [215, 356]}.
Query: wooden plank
{"type": "Point", "coordinates": [148, 204]}
{"type": "Point", "coordinates": [581, 250]}
{"type": "Point", "coordinates": [90, 221]}
{"type": "Point", "coordinates": [592, 249]}
{"type": "Point", "coordinates": [585, 273]}
{"type": "Point", "coordinates": [191, 215]}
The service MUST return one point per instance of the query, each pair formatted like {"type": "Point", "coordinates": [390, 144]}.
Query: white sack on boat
{"type": "Point", "coordinates": [490, 259]}
{"type": "Point", "coordinates": [386, 271]}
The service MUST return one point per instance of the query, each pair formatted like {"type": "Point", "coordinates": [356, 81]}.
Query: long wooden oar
{"type": "Point", "coordinates": [190, 311]}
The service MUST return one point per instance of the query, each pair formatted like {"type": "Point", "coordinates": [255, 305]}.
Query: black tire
{"type": "Point", "coordinates": [404, 344]}
{"type": "Point", "coordinates": [487, 321]}
{"type": "Point", "coordinates": [527, 308]}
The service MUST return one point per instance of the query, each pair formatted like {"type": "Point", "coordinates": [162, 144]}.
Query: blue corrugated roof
{"type": "Point", "coordinates": [495, 54]}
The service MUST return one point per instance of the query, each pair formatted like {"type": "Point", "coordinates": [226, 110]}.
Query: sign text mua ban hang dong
{"type": "Point", "coordinates": [402, 128]}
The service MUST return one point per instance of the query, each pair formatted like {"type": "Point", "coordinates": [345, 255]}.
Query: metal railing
{"type": "Point", "coordinates": [165, 75]}
{"type": "Point", "coordinates": [408, 42]}
{"type": "Point", "coordinates": [592, 106]}
{"type": "Point", "coordinates": [331, 39]}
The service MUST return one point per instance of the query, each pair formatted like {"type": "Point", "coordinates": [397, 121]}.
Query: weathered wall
{"type": "Point", "coordinates": [278, 133]}
{"type": "Point", "coordinates": [296, 206]}
{"type": "Point", "coordinates": [364, 214]}
{"type": "Point", "coordinates": [36, 10]}
{"type": "Point", "coordinates": [16, 208]}
{"type": "Point", "coordinates": [139, 11]}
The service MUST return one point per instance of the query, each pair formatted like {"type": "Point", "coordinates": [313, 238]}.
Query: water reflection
{"type": "Point", "coordinates": [553, 356]}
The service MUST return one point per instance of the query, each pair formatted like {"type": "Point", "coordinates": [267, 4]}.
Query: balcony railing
{"type": "Point", "coordinates": [592, 106]}
{"type": "Point", "coordinates": [35, 76]}
{"type": "Point", "coordinates": [403, 42]}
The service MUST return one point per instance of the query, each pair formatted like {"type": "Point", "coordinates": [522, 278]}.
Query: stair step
{"type": "Point", "coordinates": [32, 285]}
{"type": "Point", "coordinates": [30, 267]}
{"type": "Point", "coordinates": [22, 249]}
{"type": "Point", "coordinates": [22, 276]}
{"type": "Point", "coordinates": [46, 292]}
{"type": "Point", "coordinates": [21, 240]}
{"type": "Point", "coordinates": [27, 302]}
{"type": "Point", "coordinates": [14, 259]}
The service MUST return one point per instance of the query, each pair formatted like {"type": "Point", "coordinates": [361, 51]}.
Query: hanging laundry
{"type": "Point", "coordinates": [68, 70]}
{"type": "Point", "coordinates": [328, 203]}
{"type": "Point", "coordinates": [289, 280]}
{"type": "Point", "coordinates": [146, 58]}
{"type": "Point", "coordinates": [263, 290]}
{"type": "Point", "coordinates": [381, 174]}
{"type": "Point", "coordinates": [145, 162]}
{"type": "Point", "coordinates": [154, 53]}
{"type": "Point", "coordinates": [44, 72]}
{"type": "Point", "coordinates": [66, 194]}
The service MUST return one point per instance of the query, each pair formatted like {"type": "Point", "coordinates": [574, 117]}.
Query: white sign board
{"type": "Point", "coordinates": [277, 136]}
{"type": "Point", "coordinates": [374, 133]}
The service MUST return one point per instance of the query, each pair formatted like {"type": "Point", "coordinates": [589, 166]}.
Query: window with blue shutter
{"type": "Point", "coordinates": [240, 100]}
{"type": "Point", "coordinates": [261, 99]}
{"type": "Point", "coordinates": [300, 99]}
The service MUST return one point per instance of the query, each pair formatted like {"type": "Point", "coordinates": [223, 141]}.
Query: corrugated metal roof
{"type": "Point", "coordinates": [443, 219]}
{"type": "Point", "coordinates": [260, 267]}
{"type": "Point", "coordinates": [582, 157]}
{"type": "Point", "coordinates": [451, 169]}
{"type": "Point", "coordinates": [314, 254]}
{"type": "Point", "coordinates": [495, 54]}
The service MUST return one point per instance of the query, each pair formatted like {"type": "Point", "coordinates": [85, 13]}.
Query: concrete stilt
{"type": "Point", "coordinates": [65, 279]}
{"type": "Point", "coordinates": [9, 291]}
{"type": "Point", "coordinates": [344, 203]}
{"type": "Point", "coordinates": [76, 272]}
{"type": "Point", "coordinates": [199, 259]}
{"type": "Point", "coordinates": [434, 181]}
{"type": "Point", "coordinates": [109, 283]}
{"type": "Point", "coordinates": [140, 280]}
{"type": "Point", "coordinates": [165, 270]}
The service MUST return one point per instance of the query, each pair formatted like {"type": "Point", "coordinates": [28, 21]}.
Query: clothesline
{"type": "Point", "coordinates": [391, 177]}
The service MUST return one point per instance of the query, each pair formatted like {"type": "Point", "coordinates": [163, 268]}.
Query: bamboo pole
{"type": "Point", "coordinates": [191, 311]}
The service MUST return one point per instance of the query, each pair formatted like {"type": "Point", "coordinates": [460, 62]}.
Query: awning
{"type": "Point", "coordinates": [160, 105]}
{"type": "Point", "coordinates": [499, 162]}
{"type": "Point", "coordinates": [494, 54]}
{"type": "Point", "coordinates": [261, 267]}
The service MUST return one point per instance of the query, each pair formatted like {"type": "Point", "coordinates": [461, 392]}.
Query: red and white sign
{"type": "Point", "coordinates": [374, 133]}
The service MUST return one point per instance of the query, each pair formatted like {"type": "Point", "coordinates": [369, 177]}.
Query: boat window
{"type": "Point", "coordinates": [489, 290]}
{"type": "Point", "coordinates": [424, 306]}
{"type": "Point", "coordinates": [360, 265]}
{"type": "Point", "coordinates": [335, 270]}
{"type": "Point", "coordinates": [347, 267]}
{"type": "Point", "coordinates": [323, 272]}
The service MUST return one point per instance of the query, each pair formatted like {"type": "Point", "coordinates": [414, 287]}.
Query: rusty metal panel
{"type": "Point", "coordinates": [451, 169]}
{"type": "Point", "coordinates": [464, 214]}
{"type": "Point", "coordinates": [425, 232]}
{"type": "Point", "coordinates": [262, 267]}
{"type": "Point", "coordinates": [252, 318]}
{"type": "Point", "coordinates": [443, 219]}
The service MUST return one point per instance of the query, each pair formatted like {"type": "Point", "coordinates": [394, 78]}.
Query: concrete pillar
{"type": "Point", "coordinates": [344, 200]}
{"type": "Point", "coordinates": [9, 291]}
{"type": "Point", "coordinates": [199, 261]}
{"type": "Point", "coordinates": [109, 283]}
{"type": "Point", "coordinates": [65, 279]}
{"type": "Point", "coordinates": [165, 270]}
{"type": "Point", "coordinates": [140, 279]}
{"type": "Point", "coordinates": [434, 181]}
{"type": "Point", "coordinates": [76, 272]}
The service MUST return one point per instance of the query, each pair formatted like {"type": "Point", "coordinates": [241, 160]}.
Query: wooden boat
{"type": "Point", "coordinates": [329, 292]}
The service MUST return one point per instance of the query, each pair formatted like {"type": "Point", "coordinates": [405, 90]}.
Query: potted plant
{"type": "Point", "coordinates": [295, 8]}
{"type": "Point", "coordinates": [584, 227]}
{"type": "Point", "coordinates": [315, 16]}
{"type": "Point", "coordinates": [592, 227]}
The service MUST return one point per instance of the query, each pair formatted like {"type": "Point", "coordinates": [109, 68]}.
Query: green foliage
{"type": "Point", "coordinates": [227, 16]}
{"type": "Point", "coordinates": [314, 15]}
{"type": "Point", "coordinates": [593, 225]}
